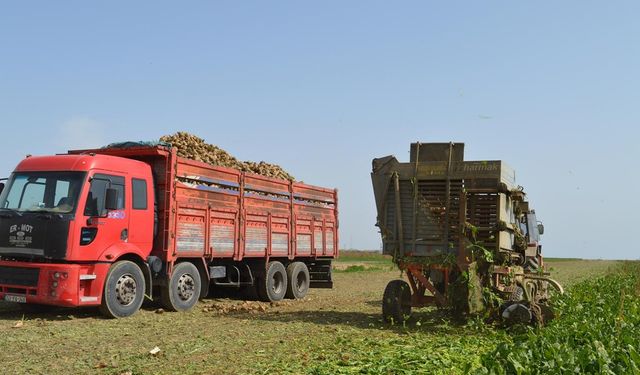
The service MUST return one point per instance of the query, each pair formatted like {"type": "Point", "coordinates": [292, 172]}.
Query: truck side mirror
{"type": "Point", "coordinates": [1, 187]}
{"type": "Point", "coordinates": [540, 228]}
{"type": "Point", "coordinates": [111, 199]}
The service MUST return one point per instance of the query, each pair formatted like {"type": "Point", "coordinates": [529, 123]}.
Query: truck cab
{"type": "Point", "coordinates": [65, 219]}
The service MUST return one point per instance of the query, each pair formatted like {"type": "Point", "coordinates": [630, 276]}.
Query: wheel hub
{"type": "Point", "coordinates": [277, 283]}
{"type": "Point", "coordinates": [126, 290]}
{"type": "Point", "coordinates": [186, 287]}
{"type": "Point", "coordinates": [301, 281]}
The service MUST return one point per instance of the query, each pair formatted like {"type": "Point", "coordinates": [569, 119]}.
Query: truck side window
{"type": "Point", "coordinates": [98, 192]}
{"type": "Point", "coordinates": [139, 188]}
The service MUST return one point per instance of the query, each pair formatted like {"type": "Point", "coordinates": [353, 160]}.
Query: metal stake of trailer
{"type": "Point", "coordinates": [414, 183]}
{"type": "Point", "coordinates": [399, 230]}
{"type": "Point", "coordinates": [447, 197]}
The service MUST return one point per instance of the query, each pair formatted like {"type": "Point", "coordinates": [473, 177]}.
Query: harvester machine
{"type": "Point", "coordinates": [464, 235]}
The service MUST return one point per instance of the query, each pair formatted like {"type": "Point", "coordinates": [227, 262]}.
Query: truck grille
{"type": "Point", "coordinates": [19, 276]}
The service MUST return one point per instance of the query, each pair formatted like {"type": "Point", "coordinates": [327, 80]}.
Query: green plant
{"type": "Point", "coordinates": [597, 333]}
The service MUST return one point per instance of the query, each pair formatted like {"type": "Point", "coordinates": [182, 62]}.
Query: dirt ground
{"type": "Point", "coordinates": [227, 336]}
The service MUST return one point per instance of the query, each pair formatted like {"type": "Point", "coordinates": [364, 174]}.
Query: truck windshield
{"type": "Point", "coordinates": [55, 192]}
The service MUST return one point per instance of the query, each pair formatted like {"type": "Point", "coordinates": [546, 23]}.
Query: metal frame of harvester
{"type": "Point", "coordinates": [463, 233]}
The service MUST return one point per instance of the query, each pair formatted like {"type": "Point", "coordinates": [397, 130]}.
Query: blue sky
{"type": "Point", "coordinates": [322, 88]}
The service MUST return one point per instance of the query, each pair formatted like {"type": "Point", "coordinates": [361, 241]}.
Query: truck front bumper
{"type": "Point", "coordinates": [52, 284]}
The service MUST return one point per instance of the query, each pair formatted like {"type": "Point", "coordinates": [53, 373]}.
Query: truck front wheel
{"type": "Point", "coordinates": [273, 285]}
{"type": "Point", "coordinates": [184, 287]}
{"type": "Point", "coordinates": [123, 290]}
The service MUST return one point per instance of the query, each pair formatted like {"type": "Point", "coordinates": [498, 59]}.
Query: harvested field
{"type": "Point", "coordinates": [331, 331]}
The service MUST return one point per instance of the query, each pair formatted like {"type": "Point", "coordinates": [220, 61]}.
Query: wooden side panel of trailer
{"type": "Point", "coordinates": [224, 213]}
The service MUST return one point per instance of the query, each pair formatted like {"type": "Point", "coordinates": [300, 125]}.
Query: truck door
{"type": "Point", "coordinates": [141, 225]}
{"type": "Point", "coordinates": [106, 227]}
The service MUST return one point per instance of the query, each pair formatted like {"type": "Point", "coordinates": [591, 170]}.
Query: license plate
{"type": "Point", "coordinates": [13, 298]}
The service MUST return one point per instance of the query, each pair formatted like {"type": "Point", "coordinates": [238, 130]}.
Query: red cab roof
{"type": "Point", "coordinates": [78, 163]}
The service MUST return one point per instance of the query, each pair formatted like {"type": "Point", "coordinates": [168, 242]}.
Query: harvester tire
{"type": "Point", "coordinates": [272, 286]}
{"type": "Point", "coordinates": [123, 292]}
{"type": "Point", "coordinates": [298, 280]}
{"type": "Point", "coordinates": [183, 289]}
{"type": "Point", "coordinates": [396, 302]}
{"type": "Point", "coordinates": [537, 320]}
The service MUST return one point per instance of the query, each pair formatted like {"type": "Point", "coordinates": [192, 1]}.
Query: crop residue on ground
{"type": "Point", "coordinates": [331, 331]}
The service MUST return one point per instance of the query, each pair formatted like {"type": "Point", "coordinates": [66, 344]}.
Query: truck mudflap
{"type": "Point", "coordinates": [320, 274]}
{"type": "Point", "coordinates": [67, 285]}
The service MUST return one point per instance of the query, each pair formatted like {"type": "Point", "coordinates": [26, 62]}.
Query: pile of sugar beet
{"type": "Point", "coordinates": [192, 147]}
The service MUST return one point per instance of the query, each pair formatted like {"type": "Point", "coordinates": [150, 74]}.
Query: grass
{"type": "Point", "coordinates": [331, 331]}
{"type": "Point", "coordinates": [362, 261]}
{"type": "Point", "coordinates": [570, 272]}
{"type": "Point", "coordinates": [555, 260]}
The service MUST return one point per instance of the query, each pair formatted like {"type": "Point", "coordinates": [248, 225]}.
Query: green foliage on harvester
{"type": "Point", "coordinates": [598, 332]}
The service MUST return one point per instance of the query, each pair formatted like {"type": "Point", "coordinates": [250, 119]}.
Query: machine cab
{"type": "Point", "coordinates": [532, 230]}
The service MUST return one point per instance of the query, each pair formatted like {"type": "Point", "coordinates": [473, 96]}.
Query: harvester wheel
{"type": "Point", "coordinates": [183, 289]}
{"type": "Point", "coordinates": [298, 277]}
{"type": "Point", "coordinates": [517, 313]}
{"type": "Point", "coordinates": [536, 315]}
{"type": "Point", "coordinates": [272, 286]}
{"type": "Point", "coordinates": [123, 292]}
{"type": "Point", "coordinates": [396, 302]}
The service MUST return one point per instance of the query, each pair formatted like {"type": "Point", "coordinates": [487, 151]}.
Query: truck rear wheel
{"type": "Point", "coordinates": [272, 287]}
{"type": "Point", "coordinates": [183, 289]}
{"type": "Point", "coordinates": [396, 302]}
{"type": "Point", "coordinates": [123, 290]}
{"type": "Point", "coordinates": [298, 277]}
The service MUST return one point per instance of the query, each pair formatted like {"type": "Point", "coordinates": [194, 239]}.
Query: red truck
{"type": "Point", "coordinates": [108, 227]}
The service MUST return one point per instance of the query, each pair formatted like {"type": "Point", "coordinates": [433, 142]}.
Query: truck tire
{"type": "Point", "coordinates": [396, 302]}
{"type": "Point", "coordinates": [123, 292]}
{"type": "Point", "coordinates": [272, 287]}
{"type": "Point", "coordinates": [298, 280]}
{"type": "Point", "coordinates": [183, 289]}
